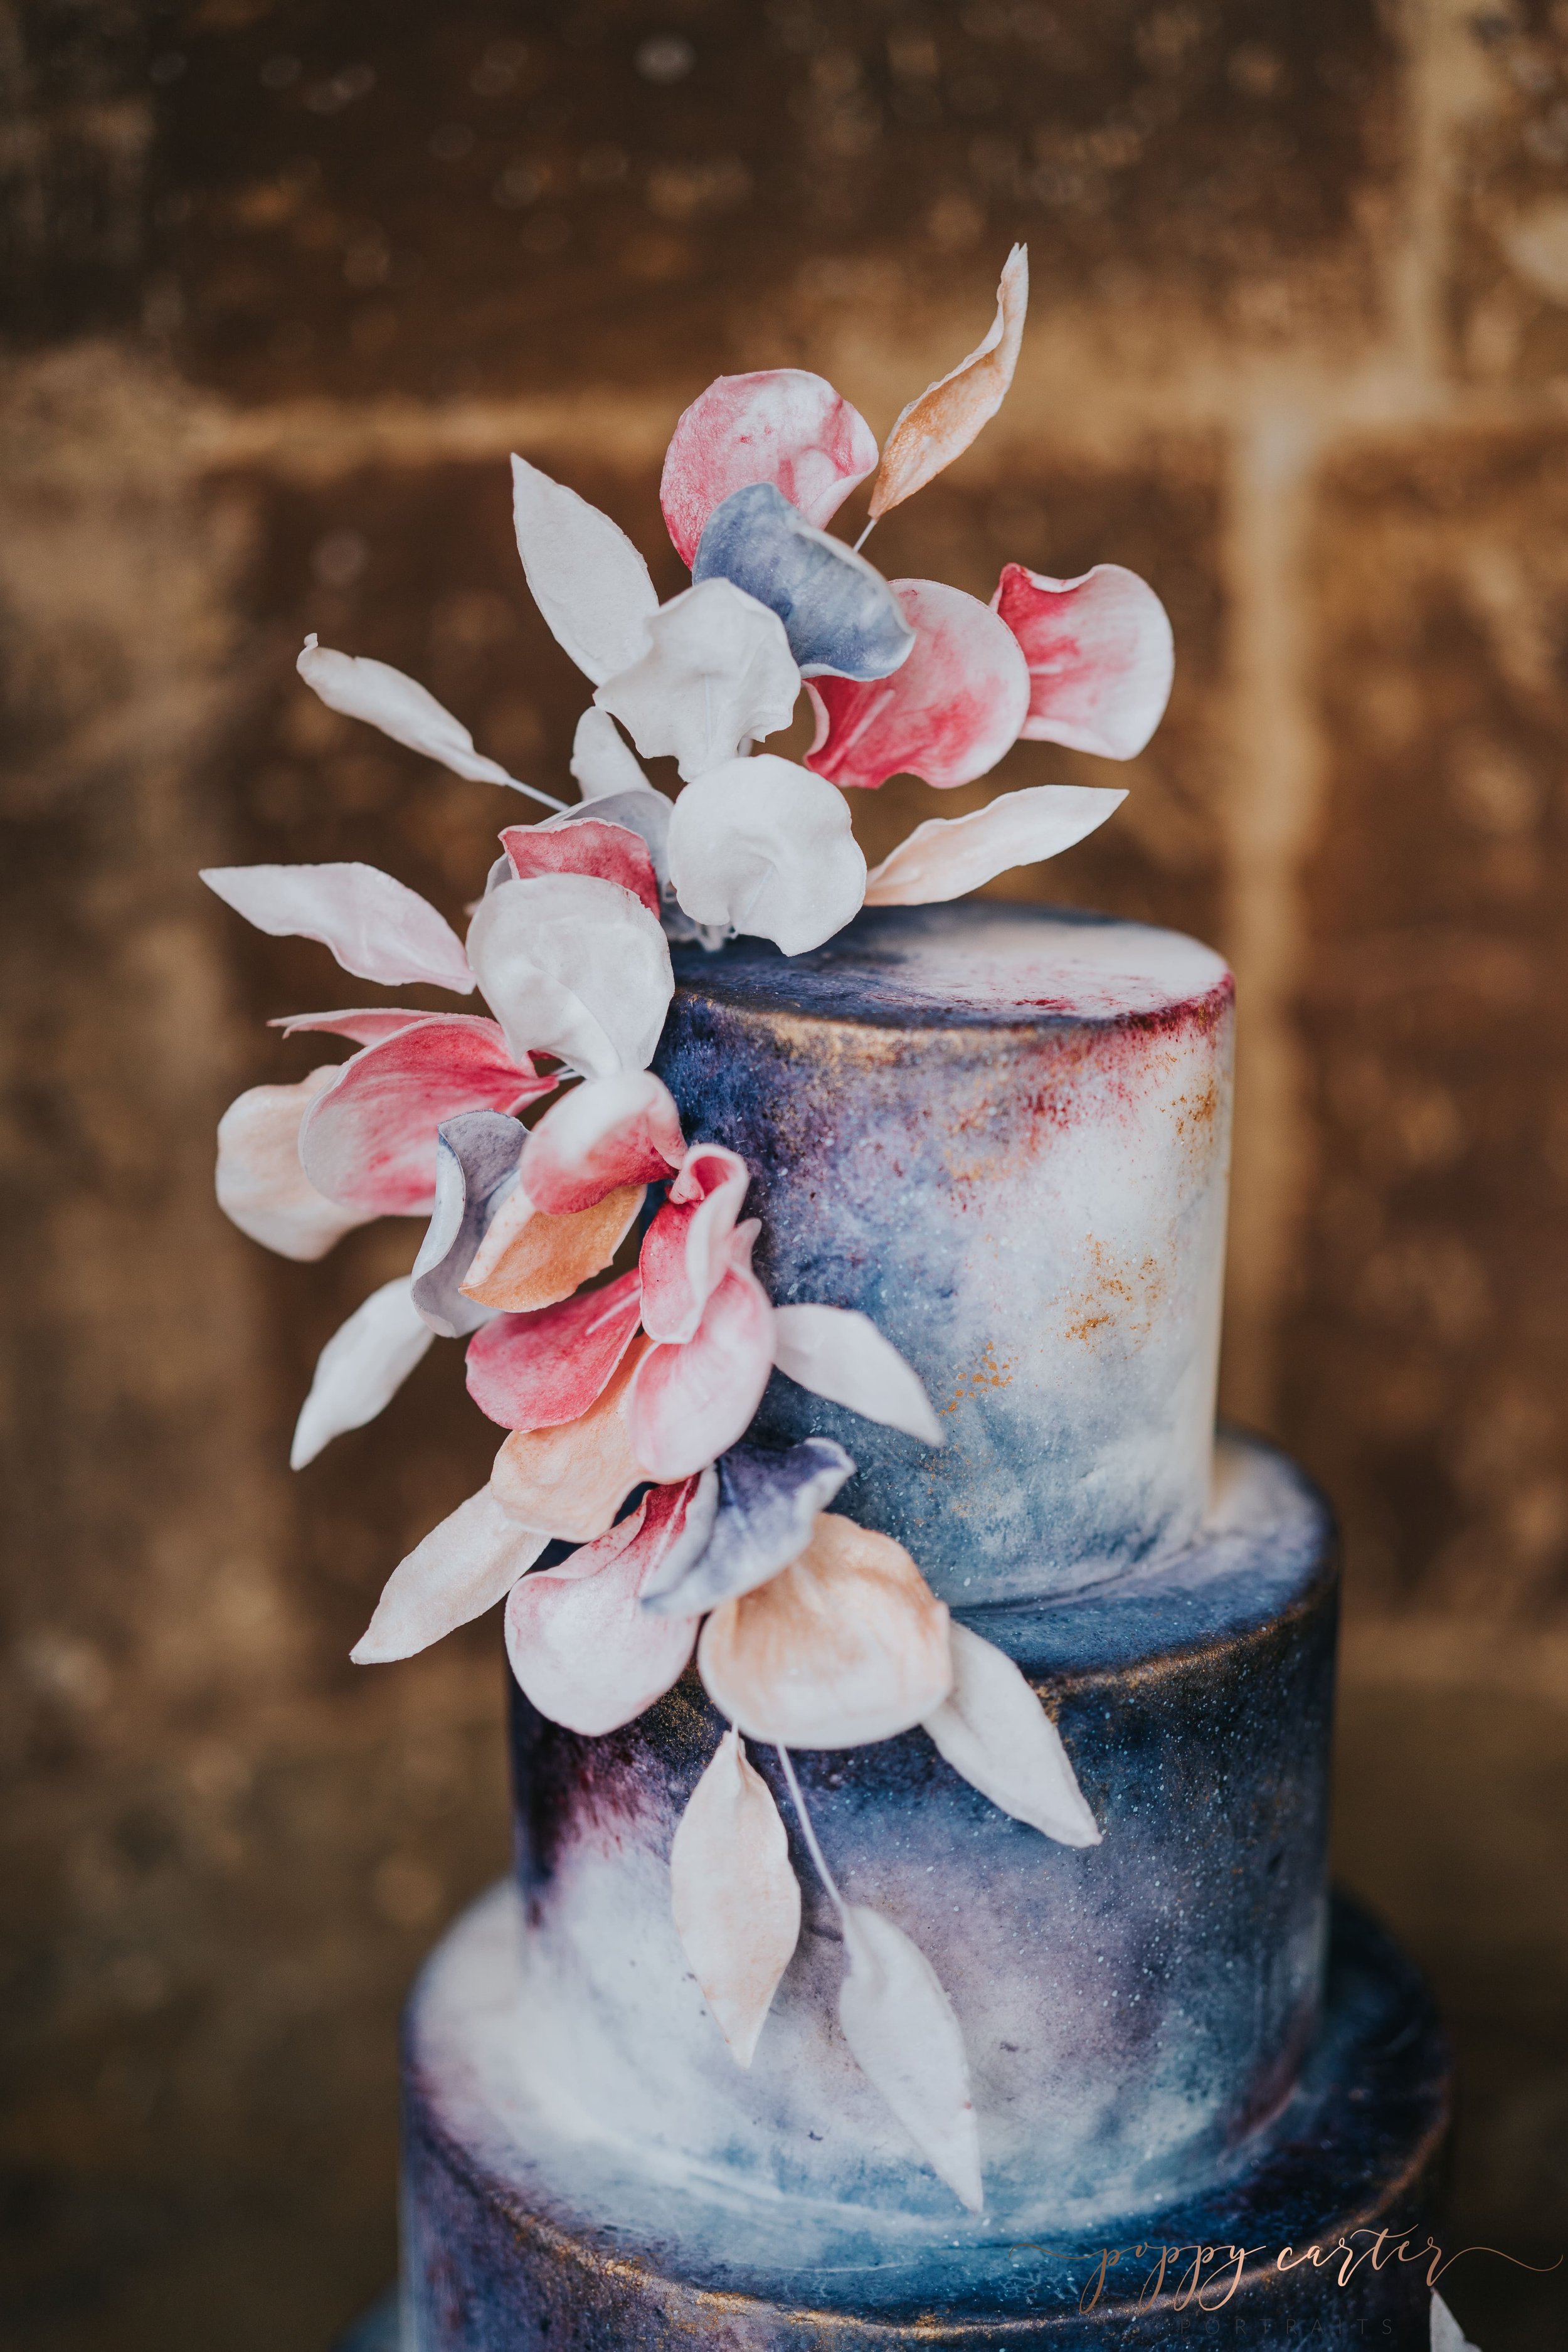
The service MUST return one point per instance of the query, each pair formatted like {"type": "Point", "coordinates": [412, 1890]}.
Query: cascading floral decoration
{"type": "Point", "coordinates": [809, 1630]}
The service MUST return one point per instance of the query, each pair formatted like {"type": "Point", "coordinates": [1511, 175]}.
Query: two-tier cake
{"type": "Point", "coordinates": [919, 1930]}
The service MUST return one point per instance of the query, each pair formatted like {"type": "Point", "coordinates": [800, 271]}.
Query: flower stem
{"type": "Point", "coordinates": [803, 1818]}
{"type": "Point", "coordinates": [535, 795]}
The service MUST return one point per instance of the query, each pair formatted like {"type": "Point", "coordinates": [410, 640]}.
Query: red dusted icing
{"type": "Point", "coordinates": [609, 853]}
{"type": "Point", "coordinates": [948, 713]}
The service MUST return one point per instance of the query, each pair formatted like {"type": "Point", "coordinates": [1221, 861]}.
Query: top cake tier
{"type": "Point", "coordinates": [1003, 1133]}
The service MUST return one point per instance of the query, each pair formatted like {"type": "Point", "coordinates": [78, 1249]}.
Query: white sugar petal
{"type": "Point", "coordinates": [948, 856]}
{"type": "Point", "coordinates": [576, 967]}
{"type": "Point", "coordinates": [1448, 2336]}
{"type": "Point", "coordinates": [262, 1188]}
{"type": "Point", "coordinates": [361, 1369]}
{"type": "Point", "coordinates": [399, 706]}
{"type": "Point", "coordinates": [602, 760]}
{"type": "Point", "coordinates": [462, 1568]}
{"type": "Point", "coordinates": [839, 1354]}
{"type": "Point", "coordinates": [375, 925]}
{"type": "Point", "coordinates": [993, 1730]}
{"type": "Point", "coordinates": [717, 673]}
{"type": "Point", "coordinates": [736, 1900]}
{"type": "Point", "coordinates": [940, 425]}
{"type": "Point", "coordinates": [901, 2026]}
{"type": "Point", "coordinates": [767, 846]}
{"type": "Point", "coordinates": [587, 579]}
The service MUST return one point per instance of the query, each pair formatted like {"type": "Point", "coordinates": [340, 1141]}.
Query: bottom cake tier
{"type": "Point", "coordinates": [1168, 2051]}
{"type": "Point", "coordinates": [518, 2234]}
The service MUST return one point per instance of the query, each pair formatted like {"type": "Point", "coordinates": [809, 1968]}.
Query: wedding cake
{"type": "Point", "coordinates": [920, 1928]}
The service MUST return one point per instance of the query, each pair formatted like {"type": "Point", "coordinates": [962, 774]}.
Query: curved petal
{"type": "Point", "coordinates": [369, 1139]}
{"type": "Point", "coordinates": [644, 813]}
{"type": "Point", "coordinates": [948, 715]}
{"type": "Point", "coordinates": [906, 2040]}
{"type": "Point", "coordinates": [1101, 657]}
{"type": "Point", "coordinates": [541, 1370]}
{"type": "Point", "coordinates": [601, 762]}
{"type": "Point", "coordinates": [605, 1133]}
{"type": "Point", "coordinates": [582, 1650]}
{"type": "Point", "coordinates": [569, 1482]}
{"type": "Point", "coordinates": [779, 425]}
{"type": "Point", "coordinates": [839, 612]}
{"type": "Point", "coordinates": [838, 1353]}
{"type": "Point", "coordinates": [585, 845]}
{"type": "Point", "coordinates": [476, 1165]}
{"type": "Point", "coordinates": [848, 1643]}
{"type": "Point", "coordinates": [940, 425]}
{"type": "Point", "coordinates": [462, 1568]}
{"type": "Point", "coordinates": [586, 577]}
{"type": "Point", "coordinates": [399, 706]}
{"type": "Point", "coordinates": [948, 856]}
{"type": "Point", "coordinates": [735, 1898]}
{"type": "Point", "coordinates": [527, 1260]}
{"type": "Point", "coordinates": [367, 1025]}
{"type": "Point", "coordinates": [718, 675]}
{"type": "Point", "coordinates": [761, 845]}
{"type": "Point", "coordinates": [691, 1403]}
{"type": "Point", "coordinates": [575, 966]}
{"type": "Point", "coordinates": [993, 1730]}
{"type": "Point", "coordinates": [262, 1188]}
{"type": "Point", "coordinates": [361, 1369]}
{"type": "Point", "coordinates": [376, 928]}
{"type": "Point", "coordinates": [686, 1250]}
{"type": "Point", "coordinates": [767, 1506]}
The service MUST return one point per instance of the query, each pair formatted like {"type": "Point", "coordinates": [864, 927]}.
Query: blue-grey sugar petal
{"type": "Point", "coordinates": [768, 1500]}
{"type": "Point", "coordinates": [839, 614]}
{"type": "Point", "coordinates": [476, 1167]}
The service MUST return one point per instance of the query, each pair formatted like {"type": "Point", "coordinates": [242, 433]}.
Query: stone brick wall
{"type": "Point", "coordinates": [285, 284]}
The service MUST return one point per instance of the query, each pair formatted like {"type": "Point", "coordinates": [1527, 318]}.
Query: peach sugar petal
{"type": "Point", "coordinates": [734, 1896]}
{"type": "Point", "coordinates": [569, 1482]}
{"type": "Point", "coordinates": [848, 1643]}
{"type": "Point", "coordinates": [261, 1187]}
{"type": "Point", "coordinates": [993, 1730]}
{"type": "Point", "coordinates": [941, 424]}
{"type": "Point", "coordinates": [461, 1569]}
{"type": "Point", "coordinates": [530, 1259]}
{"type": "Point", "coordinates": [946, 856]}
{"type": "Point", "coordinates": [901, 2025]}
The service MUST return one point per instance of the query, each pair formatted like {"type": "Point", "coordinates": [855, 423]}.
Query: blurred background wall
{"type": "Point", "coordinates": [287, 283]}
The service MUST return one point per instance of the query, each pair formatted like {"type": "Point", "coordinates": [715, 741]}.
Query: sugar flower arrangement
{"type": "Point", "coordinates": [628, 1400]}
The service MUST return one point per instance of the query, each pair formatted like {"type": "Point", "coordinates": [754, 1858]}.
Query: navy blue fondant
{"type": "Point", "coordinates": [1001, 1132]}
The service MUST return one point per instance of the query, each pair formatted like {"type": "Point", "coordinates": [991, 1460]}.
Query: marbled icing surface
{"type": "Point", "coordinates": [520, 2236]}
{"type": "Point", "coordinates": [1004, 1134]}
{"type": "Point", "coordinates": [1132, 2013]}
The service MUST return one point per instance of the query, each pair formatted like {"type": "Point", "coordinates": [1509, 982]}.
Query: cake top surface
{"type": "Point", "coordinates": [966, 966]}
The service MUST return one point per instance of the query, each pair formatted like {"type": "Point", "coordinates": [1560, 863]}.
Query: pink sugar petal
{"type": "Point", "coordinates": [583, 1651]}
{"type": "Point", "coordinates": [691, 1403]}
{"type": "Point", "coordinates": [781, 426]}
{"type": "Point", "coordinates": [370, 1140]}
{"type": "Point", "coordinates": [539, 1371]}
{"type": "Point", "coordinates": [605, 1133]}
{"type": "Point", "coordinates": [377, 926]}
{"type": "Point", "coordinates": [1099, 654]}
{"type": "Point", "coordinates": [685, 1251]}
{"type": "Point", "coordinates": [948, 715]}
{"type": "Point", "coordinates": [367, 1025]}
{"type": "Point", "coordinates": [584, 845]}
